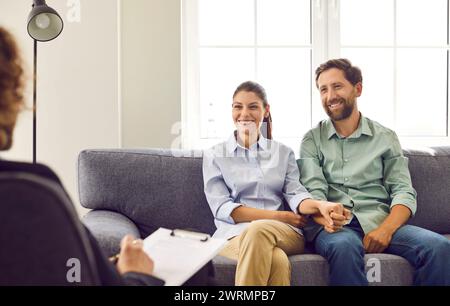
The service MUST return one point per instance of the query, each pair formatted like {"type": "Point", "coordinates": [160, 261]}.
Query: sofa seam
{"type": "Point", "coordinates": [138, 153]}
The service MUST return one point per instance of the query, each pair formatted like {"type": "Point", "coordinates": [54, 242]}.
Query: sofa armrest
{"type": "Point", "coordinates": [109, 228]}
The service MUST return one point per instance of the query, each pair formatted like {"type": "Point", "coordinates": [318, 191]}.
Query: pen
{"type": "Point", "coordinates": [114, 259]}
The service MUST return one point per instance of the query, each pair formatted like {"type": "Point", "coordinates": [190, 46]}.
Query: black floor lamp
{"type": "Point", "coordinates": [44, 24]}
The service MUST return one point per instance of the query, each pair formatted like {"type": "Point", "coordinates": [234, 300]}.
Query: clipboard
{"type": "Point", "coordinates": [179, 254]}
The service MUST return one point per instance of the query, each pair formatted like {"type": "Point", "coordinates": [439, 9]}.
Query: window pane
{"type": "Point", "coordinates": [221, 71]}
{"type": "Point", "coordinates": [367, 22]}
{"type": "Point", "coordinates": [377, 67]}
{"type": "Point", "coordinates": [283, 22]}
{"type": "Point", "coordinates": [422, 22]}
{"type": "Point", "coordinates": [421, 92]}
{"type": "Point", "coordinates": [285, 74]}
{"type": "Point", "coordinates": [230, 22]}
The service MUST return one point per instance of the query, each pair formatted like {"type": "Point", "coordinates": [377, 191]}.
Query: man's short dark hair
{"type": "Point", "coordinates": [351, 73]}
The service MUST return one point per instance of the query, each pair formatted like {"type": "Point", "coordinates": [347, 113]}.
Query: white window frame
{"type": "Point", "coordinates": [325, 44]}
{"type": "Point", "coordinates": [406, 141]}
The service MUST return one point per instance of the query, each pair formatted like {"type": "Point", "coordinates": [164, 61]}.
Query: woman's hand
{"type": "Point", "coordinates": [292, 218]}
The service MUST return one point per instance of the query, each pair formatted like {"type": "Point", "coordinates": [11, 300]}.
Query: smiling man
{"type": "Point", "coordinates": [355, 161]}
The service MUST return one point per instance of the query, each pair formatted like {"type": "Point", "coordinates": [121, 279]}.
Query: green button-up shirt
{"type": "Point", "coordinates": [366, 171]}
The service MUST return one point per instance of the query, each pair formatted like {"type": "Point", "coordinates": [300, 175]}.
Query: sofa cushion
{"type": "Point", "coordinates": [312, 270]}
{"type": "Point", "coordinates": [109, 228]}
{"type": "Point", "coordinates": [430, 174]}
{"type": "Point", "coordinates": [154, 188]}
{"type": "Point", "coordinates": [165, 187]}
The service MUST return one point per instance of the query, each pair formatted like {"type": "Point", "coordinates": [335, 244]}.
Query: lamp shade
{"type": "Point", "coordinates": [44, 23]}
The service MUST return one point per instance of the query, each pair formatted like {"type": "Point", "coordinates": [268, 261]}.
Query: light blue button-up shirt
{"type": "Point", "coordinates": [262, 177]}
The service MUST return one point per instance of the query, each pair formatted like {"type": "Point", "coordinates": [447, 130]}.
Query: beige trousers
{"type": "Point", "coordinates": [262, 253]}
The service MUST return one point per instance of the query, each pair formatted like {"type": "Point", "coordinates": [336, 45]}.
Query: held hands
{"type": "Point", "coordinates": [332, 216]}
{"type": "Point", "coordinates": [132, 257]}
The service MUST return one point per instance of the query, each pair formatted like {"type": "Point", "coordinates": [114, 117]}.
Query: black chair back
{"type": "Point", "coordinates": [42, 241]}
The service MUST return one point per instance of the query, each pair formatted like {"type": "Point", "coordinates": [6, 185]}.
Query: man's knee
{"type": "Point", "coordinates": [343, 243]}
{"type": "Point", "coordinates": [436, 245]}
{"type": "Point", "coordinates": [423, 240]}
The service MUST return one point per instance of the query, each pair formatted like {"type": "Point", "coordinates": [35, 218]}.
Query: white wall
{"type": "Point", "coordinates": [151, 71]}
{"type": "Point", "coordinates": [80, 81]}
{"type": "Point", "coordinates": [78, 73]}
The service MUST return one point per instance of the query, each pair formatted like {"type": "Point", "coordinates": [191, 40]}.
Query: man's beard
{"type": "Point", "coordinates": [344, 113]}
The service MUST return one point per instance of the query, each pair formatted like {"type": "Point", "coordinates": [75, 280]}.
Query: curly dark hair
{"type": "Point", "coordinates": [11, 87]}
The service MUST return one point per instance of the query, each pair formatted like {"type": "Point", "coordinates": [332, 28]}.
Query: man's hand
{"type": "Point", "coordinates": [132, 257]}
{"type": "Point", "coordinates": [377, 240]}
{"type": "Point", "coordinates": [292, 218]}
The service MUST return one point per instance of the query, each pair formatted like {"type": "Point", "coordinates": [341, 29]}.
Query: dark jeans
{"type": "Point", "coordinates": [426, 251]}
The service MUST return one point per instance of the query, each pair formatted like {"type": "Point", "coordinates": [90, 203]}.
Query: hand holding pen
{"type": "Point", "coordinates": [132, 257]}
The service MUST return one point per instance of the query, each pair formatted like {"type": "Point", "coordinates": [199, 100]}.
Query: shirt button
{"type": "Point", "coordinates": [346, 179]}
{"type": "Point", "coordinates": [345, 160]}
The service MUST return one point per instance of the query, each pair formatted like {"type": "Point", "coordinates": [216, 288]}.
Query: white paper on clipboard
{"type": "Point", "coordinates": [177, 257]}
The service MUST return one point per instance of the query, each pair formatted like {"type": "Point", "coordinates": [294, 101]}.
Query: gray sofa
{"type": "Point", "coordinates": [138, 191]}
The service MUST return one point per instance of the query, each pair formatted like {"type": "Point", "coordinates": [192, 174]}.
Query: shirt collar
{"type": "Point", "coordinates": [232, 144]}
{"type": "Point", "coordinates": [363, 128]}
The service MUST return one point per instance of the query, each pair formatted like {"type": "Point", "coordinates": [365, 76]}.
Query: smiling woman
{"type": "Point", "coordinates": [251, 113]}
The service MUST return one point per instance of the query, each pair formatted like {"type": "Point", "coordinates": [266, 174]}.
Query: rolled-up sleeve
{"type": "Point", "coordinates": [216, 191]}
{"type": "Point", "coordinates": [293, 191]}
{"type": "Point", "coordinates": [397, 179]}
{"type": "Point", "coordinates": [311, 174]}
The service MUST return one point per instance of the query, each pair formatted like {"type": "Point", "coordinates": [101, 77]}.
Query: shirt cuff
{"type": "Point", "coordinates": [405, 201]}
{"type": "Point", "coordinates": [296, 200]}
{"type": "Point", "coordinates": [225, 210]}
{"type": "Point", "coordinates": [319, 196]}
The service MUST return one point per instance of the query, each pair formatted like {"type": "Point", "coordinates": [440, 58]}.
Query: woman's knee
{"type": "Point", "coordinates": [256, 230]}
